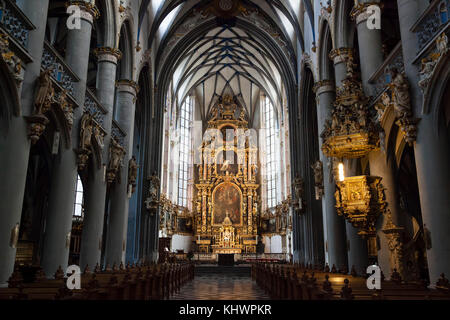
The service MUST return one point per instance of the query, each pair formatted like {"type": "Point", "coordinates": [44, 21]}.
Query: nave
{"type": "Point", "coordinates": [160, 136]}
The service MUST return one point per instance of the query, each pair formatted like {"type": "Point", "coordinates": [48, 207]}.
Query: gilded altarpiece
{"type": "Point", "coordinates": [227, 200]}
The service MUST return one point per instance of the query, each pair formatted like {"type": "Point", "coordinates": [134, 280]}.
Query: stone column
{"type": "Point", "coordinates": [382, 167]}
{"type": "Point", "coordinates": [357, 250]}
{"type": "Point", "coordinates": [370, 51]}
{"type": "Point", "coordinates": [15, 147]}
{"type": "Point", "coordinates": [118, 214]}
{"type": "Point", "coordinates": [358, 255]}
{"type": "Point", "coordinates": [334, 226]}
{"type": "Point", "coordinates": [154, 148]}
{"type": "Point", "coordinates": [431, 152]}
{"type": "Point", "coordinates": [340, 58]}
{"type": "Point", "coordinates": [65, 170]}
{"type": "Point", "coordinates": [356, 246]}
{"type": "Point", "coordinates": [370, 46]}
{"type": "Point", "coordinates": [95, 193]}
{"type": "Point", "coordinates": [294, 134]}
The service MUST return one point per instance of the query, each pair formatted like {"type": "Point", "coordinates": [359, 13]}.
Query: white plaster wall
{"type": "Point", "coordinates": [180, 242]}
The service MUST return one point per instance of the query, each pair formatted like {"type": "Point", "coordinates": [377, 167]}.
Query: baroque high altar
{"type": "Point", "coordinates": [227, 201]}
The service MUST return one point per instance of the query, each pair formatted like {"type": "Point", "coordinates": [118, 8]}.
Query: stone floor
{"type": "Point", "coordinates": [220, 286]}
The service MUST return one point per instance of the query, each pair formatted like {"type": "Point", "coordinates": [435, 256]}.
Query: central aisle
{"type": "Point", "coordinates": [221, 283]}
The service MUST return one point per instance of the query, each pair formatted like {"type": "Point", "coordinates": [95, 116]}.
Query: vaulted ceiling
{"type": "Point", "coordinates": [227, 58]}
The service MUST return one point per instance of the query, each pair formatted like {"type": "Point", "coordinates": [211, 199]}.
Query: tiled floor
{"type": "Point", "coordinates": [221, 287]}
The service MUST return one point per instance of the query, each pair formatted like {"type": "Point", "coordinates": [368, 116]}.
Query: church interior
{"type": "Point", "coordinates": [224, 149]}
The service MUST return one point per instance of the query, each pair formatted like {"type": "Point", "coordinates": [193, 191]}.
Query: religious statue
{"type": "Point", "coordinates": [99, 136]}
{"type": "Point", "coordinates": [298, 190]}
{"type": "Point", "coordinates": [87, 127]}
{"type": "Point", "coordinates": [327, 129]}
{"type": "Point", "coordinates": [242, 115]}
{"type": "Point", "coordinates": [200, 171]}
{"type": "Point", "coordinates": [318, 172]}
{"type": "Point", "coordinates": [442, 43]}
{"type": "Point", "coordinates": [427, 68]}
{"type": "Point", "coordinates": [132, 172]}
{"type": "Point", "coordinates": [400, 94]}
{"type": "Point", "coordinates": [334, 120]}
{"type": "Point", "coordinates": [116, 153]}
{"type": "Point", "coordinates": [66, 107]}
{"type": "Point", "coordinates": [255, 208]}
{"type": "Point", "coordinates": [199, 206]}
{"type": "Point", "coordinates": [362, 116]}
{"type": "Point", "coordinates": [227, 99]}
{"type": "Point", "coordinates": [45, 93]}
{"type": "Point", "coordinates": [154, 186]}
{"type": "Point", "coordinates": [381, 107]}
{"type": "Point", "coordinates": [254, 170]}
{"type": "Point", "coordinates": [214, 114]}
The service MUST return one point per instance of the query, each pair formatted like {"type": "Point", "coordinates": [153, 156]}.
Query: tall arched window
{"type": "Point", "coordinates": [272, 152]}
{"type": "Point", "coordinates": [78, 205]}
{"type": "Point", "coordinates": [185, 147]}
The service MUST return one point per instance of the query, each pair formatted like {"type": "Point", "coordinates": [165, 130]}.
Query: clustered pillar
{"type": "Point", "coordinates": [432, 153]}
{"type": "Point", "coordinates": [118, 213]}
{"type": "Point", "coordinates": [356, 246]}
{"type": "Point", "coordinates": [370, 49]}
{"type": "Point", "coordinates": [15, 147]}
{"type": "Point", "coordinates": [65, 172]}
{"type": "Point", "coordinates": [95, 195]}
{"type": "Point", "coordinates": [334, 226]}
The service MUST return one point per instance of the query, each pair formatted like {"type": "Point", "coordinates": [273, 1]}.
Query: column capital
{"type": "Point", "coordinates": [323, 86]}
{"type": "Point", "coordinates": [127, 86]}
{"type": "Point", "coordinates": [106, 54]}
{"type": "Point", "coordinates": [341, 55]}
{"type": "Point", "coordinates": [89, 11]}
{"type": "Point", "coordinates": [359, 12]}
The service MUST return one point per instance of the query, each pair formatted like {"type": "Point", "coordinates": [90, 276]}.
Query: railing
{"type": "Point", "coordinates": [432, 22]}
{"type": "Point", "coordinates": [94, 107]}
{"type": "Point", "coordinates": [14, 22]}
{"type": "Point", "coordinates": [265, 256]}
{"type": "Point", "coordinates": [62, 73]}
{"type": "Point", "coordinates": [117, 133]}
{"type": "Point", "coordinates": [382, 77]}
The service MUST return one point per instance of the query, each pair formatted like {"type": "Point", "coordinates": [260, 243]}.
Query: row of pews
{"type": "Point", "coordinates": [299, 282]}
{"type": "Point", "coordinates": [133, 282]}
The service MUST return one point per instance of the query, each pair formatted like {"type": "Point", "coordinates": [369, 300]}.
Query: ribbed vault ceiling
{"type": "Point", "coordinates": [227, 60]}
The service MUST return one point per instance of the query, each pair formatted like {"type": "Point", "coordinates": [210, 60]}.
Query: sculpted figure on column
{"type": "Point", "coordinates": [66, 107]}
{"type": "Point", "coordinates": [45, 93]}
{"type": "Point", "coordinates": [318, 172]}
{"type": "Point", "coordinates": [400, 93]}
{"type": "Point", "coordinates": [116, 153]}
{"type": "Point", "coordinates": [132, 172]}
{"type": "Point", "coordinates": [87, 127]}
